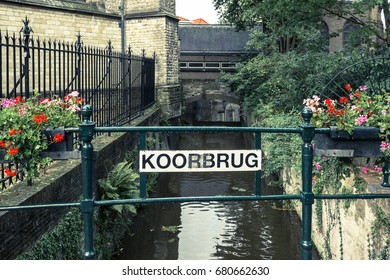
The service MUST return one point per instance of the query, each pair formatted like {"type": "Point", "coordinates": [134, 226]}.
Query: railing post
{"type": "Point", "coordinates": [258, 173]}
{"type": "Point", "coordinates": [307, 196]}
{"type": "Point", "coordinates": [142, 147]}
{"type": "Point", "coordinates": [26, 39]}
{"type": "Point", "coordinates": [143, 82]}
{"type": "Point", "coordinates": [129, 81]}
{"type": "Point", "coordinates": [78, 61]}
{"type": "Point", "coordinates": [87, 204]}
{"type": "Point", "coordinates": [386, 173]}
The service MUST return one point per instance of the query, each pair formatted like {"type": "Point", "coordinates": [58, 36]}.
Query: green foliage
{"type": "Point", "coordinates": [121, 183]}
{"type": "Point", "coordinates": [379, 237]}
{"type": "Point", "coordinates": [63, 242]}
{"type": "Point", "coordinates": [297, 24]}
{"type": "Point", "coordinates": [279, 149]}
{"type": "Point", "coordinates": [287, 83]}
{"type": "Point", "coordinates": [171, 229]}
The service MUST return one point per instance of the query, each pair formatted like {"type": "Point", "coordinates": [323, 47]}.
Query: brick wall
{"type": "Point", "coordinates": [19, 230]}
{"type": "Point", "coordinates": [145, 6]}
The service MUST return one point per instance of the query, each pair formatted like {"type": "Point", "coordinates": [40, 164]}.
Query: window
{"type": "Point", "coordinates": [212, 65]}
{"type": "Point", "coordinates": [228, 65]}
{"type": "Point", "coordinates": [195, 64]}
{"type": "Point", "coordinates": [349, 38]}
{"type": "Point", "coordinates": [325, 36]}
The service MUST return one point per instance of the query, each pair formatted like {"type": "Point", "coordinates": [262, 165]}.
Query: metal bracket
{"type": "Point", "coordinates": [307, 198]}
{"type": "Point", "coordinates": [87, 205]}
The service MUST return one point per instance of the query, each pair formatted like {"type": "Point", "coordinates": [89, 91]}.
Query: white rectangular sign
{"type": "Point", "coordinates": [200, 161]}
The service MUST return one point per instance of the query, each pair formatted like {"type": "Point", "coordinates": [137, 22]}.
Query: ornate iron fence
{"type": "Point", "coordinates": [119, 86]}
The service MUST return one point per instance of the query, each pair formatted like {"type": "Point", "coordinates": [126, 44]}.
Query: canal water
{"type": "Point", "coordinates": [212, 230]}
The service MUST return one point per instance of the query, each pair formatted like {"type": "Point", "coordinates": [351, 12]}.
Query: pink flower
{"type": "Point", "coordinates": [23, 110]}
{"type": "Point", "coordinates": [361, 120]}
{"type": "Point", "coordinates": [73, 108]}
{"type": "Point", "coordinates": [5, 103]}
{"type": "Point", "coordinates": [364, 169]}
{"type": "Point", "coordinates": [378, 169]}
{"type": "Point", "coordinates": [74, 93]}
{"type": "Point", "coordinates": [317, 166]}
{"type": "Point", "coordinates": [384, 112]}
{"type": "Point", "coordinates": [385, 146]}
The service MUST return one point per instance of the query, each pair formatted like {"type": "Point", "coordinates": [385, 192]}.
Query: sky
{"type": "Point", "coordinates": [193, 9]}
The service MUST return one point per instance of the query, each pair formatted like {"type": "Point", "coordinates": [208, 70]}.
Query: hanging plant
{"type": "Point", "coordinates": [359, 116]}
{"type": "Point", "coordinates": [22, 123]}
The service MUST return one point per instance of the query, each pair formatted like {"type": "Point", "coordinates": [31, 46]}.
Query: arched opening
{"type": "Point", "coordinates": [349, 34]}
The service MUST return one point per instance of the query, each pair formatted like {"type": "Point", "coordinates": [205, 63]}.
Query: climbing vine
{"type": "Point", "coordinates": [379, 237]}
{"type": "Point", "coordinates": [329, 177]}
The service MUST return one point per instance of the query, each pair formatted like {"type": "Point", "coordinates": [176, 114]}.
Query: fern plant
{"type": "Point", "coordinates": [121, 183]}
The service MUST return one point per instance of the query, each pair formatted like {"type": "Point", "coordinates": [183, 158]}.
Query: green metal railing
{"type": "Point", "coordinates": [87, 205]}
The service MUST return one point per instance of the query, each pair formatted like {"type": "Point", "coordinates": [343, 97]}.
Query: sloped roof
{"type": "Point", "coordinates": [199, 21]}
{"type": "Point", "coordinates": [79, 5]}
{"type": "Point", "coordinates": [182, 18]}
{"type": "Point", "coordinates": [212, 38]}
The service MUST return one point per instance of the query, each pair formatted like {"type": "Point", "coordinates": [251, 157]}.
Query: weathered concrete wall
{"type": "Point", "coordinates": [19, 230]}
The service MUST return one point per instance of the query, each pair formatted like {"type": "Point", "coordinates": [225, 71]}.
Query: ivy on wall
{"type": "Point", "coordinates": [379, 237]}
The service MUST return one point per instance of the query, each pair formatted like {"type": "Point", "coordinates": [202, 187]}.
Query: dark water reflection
{"type": "Point", "coordinates": [213, 230]}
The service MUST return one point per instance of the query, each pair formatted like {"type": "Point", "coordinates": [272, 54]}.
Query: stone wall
{"type": "Point", "coordinates": [346, 228]}
{"type": "Point", "coordinates": [62, 25]}
{"type": "Point", "coordinates": [336, 25]}
{"type": "Point", "coordinates": [19, 230]}
{"type": "Point", "coordinates": [157, 35]}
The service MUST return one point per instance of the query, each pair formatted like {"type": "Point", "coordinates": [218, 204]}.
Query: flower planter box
{"type": "Point", "coordinates": [60, 150]}
{"type": "Point", "coordinates": [364, 142]}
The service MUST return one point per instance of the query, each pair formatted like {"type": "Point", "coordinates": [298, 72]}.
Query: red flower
{"type": "Point", "coordinates": [9, 173]}
{"type": "Point", "coordinates": [357, 94]}
{"type": "Point", "coordinates": [44, 101]}
{"type": "Point", "coordinates": [58, 137]}
{"type": "Point", "coordinates": [348, 87]}
{"type": "Point", "coordinates": [328, 101]}
{"type": "Point", "coordinates": [12, 132]}
{"type": "Point", "coordinates": [331, 110]}
{"type": "Point", "coordinates": [40, 118]}
{"type": "Point", "coordinates": [2, 144]}
{"type": "Point", "coordinates": [18, 100]}
{"type": "Point", "coordinates": [67, 98]}
{"type": "Point", "coordinates": [343, 100]}
{"type": "Point", "coordinates": [13, 151]}
{"type": "Point", "coordinates": [79, 100]}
